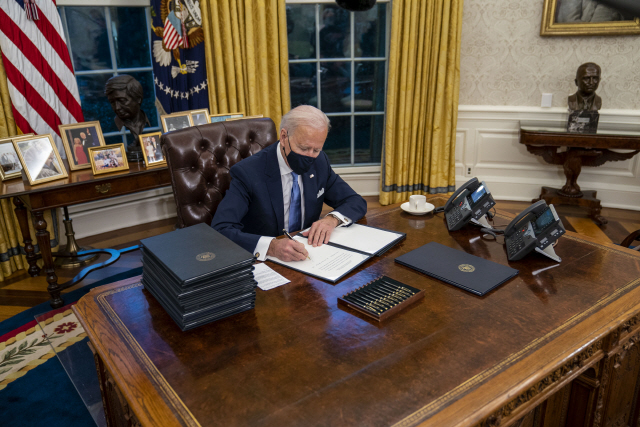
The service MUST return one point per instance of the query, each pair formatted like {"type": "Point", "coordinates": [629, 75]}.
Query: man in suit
{"type": "Point", "coordinates": [587, 80]}
{"type": "Point", "coordinates": [284, 187]}
{"type": "Point", "coordinates": [586, 11]}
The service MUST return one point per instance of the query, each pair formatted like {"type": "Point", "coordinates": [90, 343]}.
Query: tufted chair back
{"type": "Point", "coordinates": [199, 159]}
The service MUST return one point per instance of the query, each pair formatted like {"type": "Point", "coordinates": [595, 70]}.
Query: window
{"type": "Point", "coordinates": [338, 63]}
{"type": "Point", "coordinates": [104, 42]}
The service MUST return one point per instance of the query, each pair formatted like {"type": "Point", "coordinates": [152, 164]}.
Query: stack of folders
{"type": "Point", "coordinates": [198, 275]}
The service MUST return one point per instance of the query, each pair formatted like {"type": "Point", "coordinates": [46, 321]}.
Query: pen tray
{"type": "Point", "coordinates": [381, 298]}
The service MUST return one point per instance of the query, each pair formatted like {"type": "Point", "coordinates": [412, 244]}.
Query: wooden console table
{"type": "Point", "coordinates": [558, 345]}
{"type": "Point", "coordinates": [80, 187]}
{"type": "Point", "coordinates": [582, 150]}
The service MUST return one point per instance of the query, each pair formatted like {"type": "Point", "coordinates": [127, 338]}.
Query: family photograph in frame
{"type": "Point", "coordinates": [10, 166]}
{"type": "Point", "coordinates": [150, 143]}
{"type": "Point", "coordinates": [176, 121]}
{"type": "Point", "coordinates": [589, 18]}
{"type": "Point", "coordinates": [108, 158]}
{"type": "Point", "coordinates": [40, 158]}
{"type": "Point", "coordinates": [222, 117]}
{"type": "Point", "coordinates": [200, 117]}
{"type": "Point", "coordinates": [77, 138]}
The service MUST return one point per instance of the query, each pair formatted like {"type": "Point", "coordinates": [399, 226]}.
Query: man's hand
{"type": "Point", "coordinates": [287, 250]}
{"type": "Point", "coordinates": [320, 231]}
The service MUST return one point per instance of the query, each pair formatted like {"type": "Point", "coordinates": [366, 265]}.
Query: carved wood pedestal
{"type": "Point", "coordinates": [581, 150]}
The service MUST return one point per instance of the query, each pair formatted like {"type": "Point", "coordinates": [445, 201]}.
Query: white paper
{"type": "Point", "coordinates": [327, 262]}
{"type": "Point", "coordinates": [267, 278]}
{"type": "Point", "coordinates": [361, 238]}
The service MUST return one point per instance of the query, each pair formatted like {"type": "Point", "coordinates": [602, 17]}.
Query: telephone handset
{"type": "Point", "coordinates": [535, 228]}
{"type": "Point", "coordinates": [470, 202]}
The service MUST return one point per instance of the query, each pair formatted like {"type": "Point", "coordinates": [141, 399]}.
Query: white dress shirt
{"type": "Point", "coordinates": [287, 183]}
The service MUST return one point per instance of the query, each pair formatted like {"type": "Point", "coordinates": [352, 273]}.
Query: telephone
{"type": "Point", "coordinates": [470, 202]}
{"type": "Point", "coordinates": [535, 228]}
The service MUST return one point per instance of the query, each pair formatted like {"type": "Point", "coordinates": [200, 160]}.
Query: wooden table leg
{"type": "Point", "coordinates": [23, 221]}
{"type": "Point", "coordinates": [45, 250]}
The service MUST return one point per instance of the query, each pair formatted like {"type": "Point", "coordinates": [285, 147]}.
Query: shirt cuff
{"type": "Point", "coordinates": [260, 252]}
{"type": "Point", "coordinates": [344, 221]}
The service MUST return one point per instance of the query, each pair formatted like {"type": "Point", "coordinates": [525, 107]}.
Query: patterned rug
{"type": "Point", "coordinates": [35, 390]}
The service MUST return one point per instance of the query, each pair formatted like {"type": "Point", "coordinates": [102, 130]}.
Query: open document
{"type": "Point", "coordinates": [363, 238]}
{"type": "Point", "coordinates": [326, 262]}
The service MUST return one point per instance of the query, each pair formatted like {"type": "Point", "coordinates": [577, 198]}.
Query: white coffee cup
{"type": "Point", "coordinates": [418, 202]}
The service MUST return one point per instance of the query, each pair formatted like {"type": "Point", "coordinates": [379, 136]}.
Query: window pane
{"type": "Point", "coordinates": [130, 38]}
{"type": "Point", "coordinates": [335, 87]}
{"type": "Point", "coordinates": [149, 95]}
{"type": "Point", "coordinates": [369, 86]}
{"type": "Point", "coordinates": [303, 83]}
{"type": "Point", "coordinates": [88, 38]}
{"type": "Point", "coordinates": [368, 138]}
{"type": "Point", "coordinates": [94, 102]}
{"type": "Point", "coordinates": [338, 144]}
{"type": "Point", "coordinates": [301, 29]}
{"type": "Point", "coordinates": [113, 139]}
{"type": "Point", "coordinates": [370, 32]}
{"type": "Point", "coordinates": [334, 32]}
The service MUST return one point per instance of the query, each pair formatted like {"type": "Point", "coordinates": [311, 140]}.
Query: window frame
{"type": "Point", "coordinates": [114, 70]}
{"type": "Point", "coordinates": [372, 166]}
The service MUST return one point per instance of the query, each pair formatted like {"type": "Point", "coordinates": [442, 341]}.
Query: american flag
{"type": "Point", "coordinates": [172, 36]}
{"type": "Point", "coordinates": [43, 89]}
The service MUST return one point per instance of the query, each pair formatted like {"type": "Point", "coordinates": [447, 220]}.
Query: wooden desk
{"type": "Point", "coordinates": [80, 187]}
{"type": "Point", "coordinates": [559, 337]}
{"type": "Point", "coordinates": [583, 149]}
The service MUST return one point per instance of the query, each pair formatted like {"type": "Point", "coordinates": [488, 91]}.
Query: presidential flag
{"type": "Point", "coordinates": [42, 86]}
{"type": "Point", "coordinates": [178, 55]}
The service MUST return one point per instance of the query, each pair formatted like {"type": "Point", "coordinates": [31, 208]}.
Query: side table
{"type": "Point", "coordinates": [80, 187]}
{"type": "Point", "coordinates": [582, 150]}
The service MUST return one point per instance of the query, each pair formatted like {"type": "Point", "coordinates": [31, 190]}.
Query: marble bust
{"type": "Point", "coordinates": [587, 80]}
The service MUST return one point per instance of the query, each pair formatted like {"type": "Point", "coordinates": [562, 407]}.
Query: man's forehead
{"type": "Point", "coordinates": [121, 93]}
{"type": "Point", "coordinates": [590, 71]}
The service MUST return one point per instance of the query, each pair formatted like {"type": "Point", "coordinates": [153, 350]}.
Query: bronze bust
{"type": "Point", "coordinates": [125, 96]}
{"type": "Point", "coordinates": [587, 80]}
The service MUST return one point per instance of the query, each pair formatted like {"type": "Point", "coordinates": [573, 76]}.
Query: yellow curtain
{"type": "Point", "coordinates": [422, 99]}
{"type": "Point", "coordinates": [247, 56]}
{"type": "Point", "coordinates": [11, 246]}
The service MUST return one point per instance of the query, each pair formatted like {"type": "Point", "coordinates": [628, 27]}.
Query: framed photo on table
{"type": "Point", "coordinates": [588, 18]}
{"type": "Point", "coordinates": [200, 117]}
{"type": "Point", "coordinates": [10, 166]}
{"type": "Point", "coordinates": [150, 143]}
{"type": "Point", "coordinates": [222, 117]}
{"type": "Point", "coordinates": [40, 158]}
{"type": "Point", "coordinates": [77, 138]}
{"type": "Point", "coordinates": [109, 158]}
{"type": "Point", "coordinates": [176, 121]}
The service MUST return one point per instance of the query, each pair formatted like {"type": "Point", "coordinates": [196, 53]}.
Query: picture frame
{"type": "Point", "coordinates": [200, 117]}
{"type": "Point", "coordinates": [40, 158]}
{"type": "Point", "coordinates": [85, 135]}
{"type": "Point", "coordinates": [176, 121]}
{"type": "Point", "coordinates": [213, 118]}
{"type": "Point", "coordinates": [151, 151]}
{"type": "Point", "coordinates": [108, 158]}
{"type": "Point", "coordinates": [10, 166]}
{"type": "Point", "coordinates": [567, 18]}
{"type": "Point", "coordinates": [257, 116]}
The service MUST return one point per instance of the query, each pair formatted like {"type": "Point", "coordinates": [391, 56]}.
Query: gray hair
{"type": "Point", "coordinates": [304, 115]}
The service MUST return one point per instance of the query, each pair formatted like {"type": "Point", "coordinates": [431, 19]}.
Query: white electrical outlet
{"type": "Point", "coordinates": [547, 99]}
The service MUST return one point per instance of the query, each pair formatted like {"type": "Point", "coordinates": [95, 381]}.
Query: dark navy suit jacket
{"type": "Point", "coordinates": [253, 205]}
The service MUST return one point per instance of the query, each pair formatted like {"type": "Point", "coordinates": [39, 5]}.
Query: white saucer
{"type": "Point", "coordinates": [405, 207]}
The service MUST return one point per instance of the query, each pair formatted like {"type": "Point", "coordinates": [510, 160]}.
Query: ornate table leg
{"type": "Point", "coordinates": [45, 250]}
{"type": "Point", "coordinates": [23, 221]}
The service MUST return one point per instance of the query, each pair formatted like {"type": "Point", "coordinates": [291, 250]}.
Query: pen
{"type": "Point", "coordinates": [289, 236]}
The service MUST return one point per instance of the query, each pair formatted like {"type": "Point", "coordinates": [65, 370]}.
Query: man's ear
{"type": "Point", "coordinates": [576, 81]}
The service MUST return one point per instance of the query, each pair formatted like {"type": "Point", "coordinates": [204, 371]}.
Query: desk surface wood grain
{"type": "Point", "coordinates": [300, 359]}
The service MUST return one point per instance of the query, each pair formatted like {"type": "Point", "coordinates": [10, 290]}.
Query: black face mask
{"type": "Point", "coordinates": [299, 163]}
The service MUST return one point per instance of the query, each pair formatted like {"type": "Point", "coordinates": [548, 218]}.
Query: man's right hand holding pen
{"type": "Point", "coordinates": [287, 249]}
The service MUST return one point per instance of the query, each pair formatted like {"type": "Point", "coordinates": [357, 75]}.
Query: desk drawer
{"type": "Point", "coordinates": [99, 189]}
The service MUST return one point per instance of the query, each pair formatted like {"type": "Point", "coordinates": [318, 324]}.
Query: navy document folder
{"type": "Point", "coordinates": [198, 275]}
{"type": "Point", "coordinates": [458, 268]}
